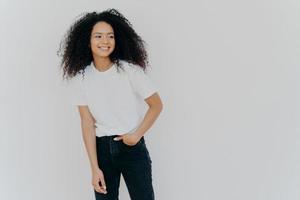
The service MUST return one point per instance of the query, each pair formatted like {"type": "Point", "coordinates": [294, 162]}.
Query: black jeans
{"type": "Point", "coordinates": [133, 162]}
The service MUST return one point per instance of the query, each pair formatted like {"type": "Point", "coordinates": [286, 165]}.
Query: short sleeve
{"type": "Point", "coordinates": [77, 92]}
{"type": "Point", "coordinates": [141, 83]}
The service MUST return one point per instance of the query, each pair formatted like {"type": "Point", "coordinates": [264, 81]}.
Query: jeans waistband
{"type": "Point", "coordinates": [111, 137]}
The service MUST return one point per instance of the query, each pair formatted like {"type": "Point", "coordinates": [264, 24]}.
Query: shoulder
{"type": "Point", "coordinates": [80, 79]}
{"type": "Point", "coordinates": [131, 68]}
{"type": "Point", "coordinates": [83, 75]}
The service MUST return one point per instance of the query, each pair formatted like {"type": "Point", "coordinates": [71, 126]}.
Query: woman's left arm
{"type": "Point", "coordinates": [155, 107]}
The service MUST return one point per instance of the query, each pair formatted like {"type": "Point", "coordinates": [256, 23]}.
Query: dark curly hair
{"type": "Point", "coordinates": [75, 47]}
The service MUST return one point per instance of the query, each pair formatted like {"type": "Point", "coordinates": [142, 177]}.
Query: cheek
{"type": "Point", "coordinates": [93, 45]}
{"type": "Point", "coordinates": [113, 43]}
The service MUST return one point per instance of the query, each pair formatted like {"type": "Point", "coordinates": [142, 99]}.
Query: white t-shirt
{"type": "Point", "coordinates": [114, 97]}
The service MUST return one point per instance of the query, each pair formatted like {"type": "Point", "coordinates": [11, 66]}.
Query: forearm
{"type": "Point", "coordinates": [89, 138]}
{"type": "Point", "coordinates": [148, 120]}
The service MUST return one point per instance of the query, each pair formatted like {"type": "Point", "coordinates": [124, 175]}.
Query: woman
{"type": "Point", "coordinates": [107, 60]}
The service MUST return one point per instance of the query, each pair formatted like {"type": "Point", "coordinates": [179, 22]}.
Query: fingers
{"type": "Point", "coordinates": [118, 138]}
{"type": "Point", "coordinates": [100, 189]}
{"type": "Point", "coordinates": [103, 185]}
{"type": "Point", "coordinates": [100, 186]}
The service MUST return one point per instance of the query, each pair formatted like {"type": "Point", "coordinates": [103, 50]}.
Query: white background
{"type": "Point", "coordinates": [228, 74]}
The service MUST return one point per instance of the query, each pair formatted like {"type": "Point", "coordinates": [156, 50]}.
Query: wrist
{"type": "Point", "coordinates": [95, 169]}
{"type": "Point", "coordinates": [139, 135]}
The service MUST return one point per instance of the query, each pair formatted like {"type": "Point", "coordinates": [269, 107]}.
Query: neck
{"type": "Point", "coordinates": [102, 63]}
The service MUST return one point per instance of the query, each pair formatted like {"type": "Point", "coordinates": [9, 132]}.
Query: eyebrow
{"type": "Point", "coordinates": [101, 33]}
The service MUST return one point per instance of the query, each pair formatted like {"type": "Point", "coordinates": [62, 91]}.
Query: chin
{"type": "Point", "coordinates": [103, 55]}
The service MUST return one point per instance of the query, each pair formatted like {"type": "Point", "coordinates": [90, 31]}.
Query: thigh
{"type": "Point", "coordinates": [111, 173]}
{"type": "Point", "coordinates": [137, 171]}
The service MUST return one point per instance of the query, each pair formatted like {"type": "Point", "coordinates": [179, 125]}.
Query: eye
{"type": "Point", "coordinates": [112, 36]}
{"type": "Point", "coordinates": [98, 36]}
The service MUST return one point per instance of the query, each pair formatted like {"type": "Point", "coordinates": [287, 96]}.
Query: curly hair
{"type": "Point", "coordinates": [75, 47]}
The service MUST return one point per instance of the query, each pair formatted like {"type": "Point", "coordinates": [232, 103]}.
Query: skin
{"type": "Point", "coordinates": [102, 36]}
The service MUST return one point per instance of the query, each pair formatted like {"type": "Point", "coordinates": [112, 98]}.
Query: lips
{"type": "Point", "coordinates": [104, 48]}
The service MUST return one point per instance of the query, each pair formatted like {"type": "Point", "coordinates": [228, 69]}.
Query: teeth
{"type": "Point", "coordinates": [104, 48]}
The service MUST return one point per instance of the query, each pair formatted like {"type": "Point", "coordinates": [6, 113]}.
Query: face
{"type": "Point", "coordinates": [102, 40]}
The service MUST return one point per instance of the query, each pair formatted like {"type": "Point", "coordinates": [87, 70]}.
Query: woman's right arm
{"type": "Point", "coordinates": [89, 135]}
{"type": "Point", "coordinates": [89, 138]}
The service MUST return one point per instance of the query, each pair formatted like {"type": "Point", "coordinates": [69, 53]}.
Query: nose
{"type": "Point", "coordinates": [105, 40]}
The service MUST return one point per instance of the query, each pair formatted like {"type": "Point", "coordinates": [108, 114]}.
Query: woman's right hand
{"type": "Point", "coordinates": [97, 179]}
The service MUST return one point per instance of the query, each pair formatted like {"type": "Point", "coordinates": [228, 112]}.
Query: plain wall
{"type": "Point", "coordinates": [228, 75]}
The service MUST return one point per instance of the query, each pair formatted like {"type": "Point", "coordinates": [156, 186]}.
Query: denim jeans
{"type": "Point", "coordinates": [133, 162]}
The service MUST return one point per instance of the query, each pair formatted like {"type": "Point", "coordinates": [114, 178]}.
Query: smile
{"type": "Point", "coordinates": [104, 48]}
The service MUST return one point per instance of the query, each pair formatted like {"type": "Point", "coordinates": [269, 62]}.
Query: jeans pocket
{"type": "Point", "coordinates": [131, 146]}
{"type": "Point", "coordinates": [139, 143]}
